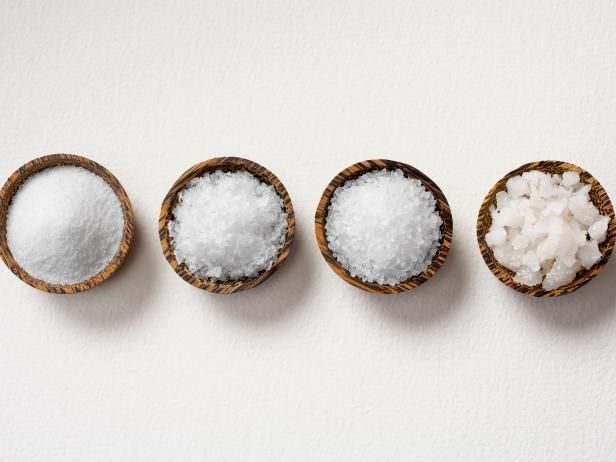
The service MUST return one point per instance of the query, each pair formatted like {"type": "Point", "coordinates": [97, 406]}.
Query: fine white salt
{"type": "Point", "coordinates": [228, 225]}
{"type": "Point", "coordinates": [546, 228]}
{"type": "Point", "coordinates": [383, 227]}
{"type": "Point", "coordinates": [64, 225]}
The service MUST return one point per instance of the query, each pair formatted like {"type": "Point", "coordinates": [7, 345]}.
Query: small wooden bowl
{"type": "Point", "coordinates": [357, 170]}
{"type": "Point", "coordinates": [226, 164]}
{"type": "Point", "coordinates": [36, 165]}
{"type": "Point", "coordinates": [599, 198]}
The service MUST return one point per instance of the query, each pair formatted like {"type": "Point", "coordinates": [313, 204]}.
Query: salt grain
{"type": "Point", "coordinates": [228, 225]}
{"type": "Point", "coordinates": [64, 225]}
{"type": "Point", "coordinates": [383, 227]}
{"type": "Point", "coordinates": [546, 229]}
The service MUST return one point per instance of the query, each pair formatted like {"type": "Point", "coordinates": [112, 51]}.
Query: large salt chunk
{"type": "Point", "coordinates": [585, 212]}
{"type": "Point", "coordinates": [583, 191]}
{"type": "Point", "coordinates": [579, 232]}
{"type": "Point", "coordinates": [567, 247]}
{"type": "Point", "coordinates": [536, 201]}
{"type": "Point", "coordinates": [512, 217]}
{"type": "Point", "coordinates": [529, 216]}
{"type": "Point", "coordinates": [547, 187]}
{"type": "Point", "coordinates": [496, 237]}
{"type": "Point", "coordinates": [598, 229]}
{"type": "Point", "coordinates": [589, 254]}
{"type": "Point", "coordinates": [508, 256]}
{"type": "Point", "coordinates": [533, 177]}
{"type": "Point", "coordinates": [502, 199]}
{"type": "Point", "coordinates": [570, 179]}
{"type": "Point", "coordinates": [531, 261]}
{"type": "Point", "coordinates": [548, 248]}
{"type": "Point", "coordinates": [559, 275]}
{"type": "Point", "coordinates": [527, 276]}
{"type": "Point", "coordinates": [520, 242]}
{"type": "Point", "coordinates": [555, 205]}
{"type": "Point", "coordinates": [517, 186]}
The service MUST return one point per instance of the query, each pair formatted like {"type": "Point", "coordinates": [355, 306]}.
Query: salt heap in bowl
{"type": "Point", "coordinates": [383, 227]}
{"type": "Point", "coordinates": [64, 225]}
{"type": "Point", "coordinates": [228, 226]}
{"type": "Point", "coordinates": [545, 228]}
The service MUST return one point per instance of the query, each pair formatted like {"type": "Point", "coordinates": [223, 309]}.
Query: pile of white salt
{"type": "Point", "coordinates": [546, 229]}
{"type": "Point", "coordinates": [64, 225]}
{"type": "Point", "coordinates": [383, 227]}
{"type": "Point", "coordinates": [228, 225]}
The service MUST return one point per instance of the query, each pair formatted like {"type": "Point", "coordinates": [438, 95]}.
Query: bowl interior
{"type": "Point", "coordinates": [357, 170]}
{"type": "Point", "coordinates": [599, 198]}
{"type": "Point", "coordinates": [226, 164]}
{"type": "Point", "coordinates": [34, 166]}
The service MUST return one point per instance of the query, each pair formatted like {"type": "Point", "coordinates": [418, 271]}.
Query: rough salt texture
{"type": "Point", "coordinates": [64, 225]}
{"type": "Point", "coordinates": [228, 226]}
{"type": "Point", "coordinates": [546, 229]}
{"type": "Point", "coordinates": [383, 227]}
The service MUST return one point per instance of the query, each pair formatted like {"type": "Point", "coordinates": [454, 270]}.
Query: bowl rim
{"type": "Point", "coordinates": [356, 170]}
{"type": "Point", "coordinates": [170, 200]}
{"type": "Point", "coordinates": [34, 166]}
{"type": "Point", "coordinates": [505, 275]}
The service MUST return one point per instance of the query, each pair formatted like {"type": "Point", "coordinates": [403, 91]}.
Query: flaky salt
{"type": "Point", "coordinates": [64, 225]}
{"type": "Point", "coordinates": [383, 227]}
{"type": "Point", "coordinates": [228, 225]}
{"type": "Point", "coordinates": [546, 229]}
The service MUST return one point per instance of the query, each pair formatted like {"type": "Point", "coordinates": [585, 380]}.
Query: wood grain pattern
{"type": "Point", "coordinates": [34, 166]}
{"type": "Point", "coordinates": [599, 198]}
{"type": "Point", "coordinates": [226, 164]}
{"type": "Point", "coordinates": [353, 172]}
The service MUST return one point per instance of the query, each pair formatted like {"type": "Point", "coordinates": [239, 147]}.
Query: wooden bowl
{"type": "Point", "coordinates": [226, 164]}
{"type": "Point", "coordinates": [599, 198]}
{"type": "Point", "coordinates": [34, 166]}
{"type": "Point", "coordinates": [359, 169]}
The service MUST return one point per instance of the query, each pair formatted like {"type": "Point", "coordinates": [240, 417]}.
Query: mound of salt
{"type": "Point", "coordinates": [546, 229]}
{"type": "Point", "coordinates": [64, 225]}
{"type": "Point", "coordinates": [383, 227]}
{"type": "Point", "coordinates": [227, 226]}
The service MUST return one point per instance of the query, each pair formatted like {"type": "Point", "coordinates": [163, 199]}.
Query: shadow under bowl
{"type": "Point", "coordinates": [598, 197]}
{"type": "Point", "coordinates": [11, 187]}
{"type": "Point", "coordinates": [226, 164]}
{"type": "Point", "coordinates": [442, 207]}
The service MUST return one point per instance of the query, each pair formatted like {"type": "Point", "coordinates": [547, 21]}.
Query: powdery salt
{"type": "Point", "coordinates": [64, 225]}
{"type": "Point", "coordinates": [546, 228]}
{"type": "Point", "coordinates": [383, 227]}
{"type": "Point", "coordinates": [228, 225]}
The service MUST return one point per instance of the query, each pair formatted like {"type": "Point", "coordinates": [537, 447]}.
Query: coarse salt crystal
{"type": "Point", "coordinates": [570, 179]}
{"type": "Point", "coordinates": [589, 254]}
{"type": "Point", "coordinates": [598, 229]}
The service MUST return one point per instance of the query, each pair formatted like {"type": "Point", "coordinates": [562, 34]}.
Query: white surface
{"type": "Point", "coordinates": [306, 367]}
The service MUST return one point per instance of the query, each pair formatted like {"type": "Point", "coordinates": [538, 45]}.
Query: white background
{"type": "Point", "coordinates": [306, 367]}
